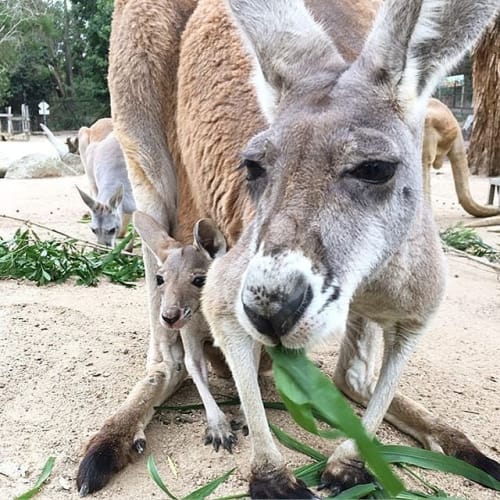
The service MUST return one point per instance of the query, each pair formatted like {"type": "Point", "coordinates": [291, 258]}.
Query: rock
{"type": "Point", "coordinates": [35, 166]}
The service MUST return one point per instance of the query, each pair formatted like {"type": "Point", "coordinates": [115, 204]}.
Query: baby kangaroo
{"type": "Point", "coordinates": [180, 279]}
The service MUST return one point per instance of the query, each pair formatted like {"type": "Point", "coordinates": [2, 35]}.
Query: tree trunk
{"type": "Point", "coordinates": [484, 149]}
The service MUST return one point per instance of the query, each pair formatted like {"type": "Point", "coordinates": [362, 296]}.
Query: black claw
{"type": "Point", "coordinates": [140, 446]}
{"type": "Point", "coordinates": [279, 484]}
{"type": "Point", "coordinates": [244, 430]}
{"type": "Point", "coordinates": [217, 443]}
{"type": "Point", "coordinates": [84, 489]}
{"type": "Point", "coordinates": [208, 439]}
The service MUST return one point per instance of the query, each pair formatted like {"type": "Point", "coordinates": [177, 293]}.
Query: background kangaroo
{"type": "Point", "coordinates": [442, 138]}
{"type": "Point", "coordinates": [196, 84]}
{"type": "Point", "coordinates": [180, 279]}
{"type": "Point", "coordinates": [111, 201]}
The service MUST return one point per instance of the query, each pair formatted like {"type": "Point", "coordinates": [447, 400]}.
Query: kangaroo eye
{"type": "Point", "coordinates": [198, 281]}
{"type": "Point", "coordinates": [159, 280]}
{"type": "Point", "coordinates": [112, 231]}
{"type": "Point", "coordinates": [254, 169]}
{"type": "Point", "coordinates": [374, 172]}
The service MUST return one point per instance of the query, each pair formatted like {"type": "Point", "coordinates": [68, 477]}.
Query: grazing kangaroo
{"type": "Point", "coordinates": [443, 137]}
{"type": "Point", "coordinates": [180, 278]}
{"type": "Point", "coordinates": [111, 201]}
{"type": "Point", "coordinates": [325, 216]}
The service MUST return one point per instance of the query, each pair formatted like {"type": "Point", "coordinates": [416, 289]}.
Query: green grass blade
{"type": "Point", "coordinates": [47, 469]}
{"type": "Point", "coordinates": [310, 473]}
{"type": "Point", "coordinates": [303, 386]}
{"type": "Point", "coordinates": [290, 442]}
{"type": "Point", "coordinates": [437, 461]}
{"type": "Point", "coordinates": [209, 488]}
{"type": "Point", "coordinates": [155, 476]}
{"type": "Point", "coordinates": [358, 491]}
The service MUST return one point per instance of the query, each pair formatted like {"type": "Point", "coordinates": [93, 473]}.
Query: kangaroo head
{"type": "Point", "coordinates": [106, 217]}
{"type": "Point", "coordinates": [182, 268]}
{"type": "Point", "coordinates": [337, 174]}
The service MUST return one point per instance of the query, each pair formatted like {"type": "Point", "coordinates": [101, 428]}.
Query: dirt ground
{"type": "Point", "coordinates": [70, 354]}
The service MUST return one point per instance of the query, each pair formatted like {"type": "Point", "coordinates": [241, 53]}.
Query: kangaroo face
{"type": "Point", "coordinates": [106, 219]}
{"type": "Point", "coordinates": [180, 280]}
{"type": "Point", "coordinates": [106, 224]}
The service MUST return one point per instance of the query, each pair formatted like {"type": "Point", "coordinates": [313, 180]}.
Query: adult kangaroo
{"type": "Point", "coordinates": [443, 138]}
{"type": "Point", "coordinates": [327, 205]}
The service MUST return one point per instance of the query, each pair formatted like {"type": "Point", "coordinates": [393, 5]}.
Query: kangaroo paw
{"type": "Point", "coordinates": [108, 452]}
{"type": "Point", "coordinates": [221, 435]}
{"type": "Point", "coordinates": [278, 484]}
{"type": "Point", "coordinates": [341, 475]}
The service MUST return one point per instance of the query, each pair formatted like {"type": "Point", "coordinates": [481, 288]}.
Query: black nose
{"type": "Point", "coordinates": [171, 315]}
{"type": "Point", "coordinates": [278, 319]}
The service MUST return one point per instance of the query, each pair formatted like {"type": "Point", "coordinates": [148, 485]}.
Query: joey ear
{"type": "Point", "coordinates": [117, 197]}
{"type": "Point", "coordinates": [209, 239]}
{"type": "Point", "coordinates": [291, 51]}
{"type": "Point", "coordinates": [154, 236]}
{"type": "Point", "coordinates": [414, 44]}
{"type": "Point", "coordinates": [88, 200]}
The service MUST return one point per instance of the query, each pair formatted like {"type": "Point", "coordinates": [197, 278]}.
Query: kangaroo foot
{"type": "Point", "coordinates": [456, 444]}
{"type": "Point", "coordinates": [278, 484]}
{"type": "Point", "coordinates": [344, 474]}
{"type": "Point", "coordinates": [221, 434]}
{"type": "Point", "coordinates": [108, 452]}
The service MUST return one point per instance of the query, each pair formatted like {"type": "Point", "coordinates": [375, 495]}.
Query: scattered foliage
{"type": "Point", "coordinates": [467, 240]}
{"type": "Point", "coordinates": [27, 256]}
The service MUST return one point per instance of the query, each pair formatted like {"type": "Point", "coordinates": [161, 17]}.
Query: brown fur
{"type": "Point", "coordinates": [442, 138]}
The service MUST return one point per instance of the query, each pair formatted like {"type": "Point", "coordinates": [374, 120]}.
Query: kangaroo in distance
{"type": "Point", "coordinates": [180, 279]}
{"type": "Point", "coordinates": [443, 137]}
{"type": "Point", "coordinates": [325, 218]}
{"type": "Point", "coordinates": [111, 201]}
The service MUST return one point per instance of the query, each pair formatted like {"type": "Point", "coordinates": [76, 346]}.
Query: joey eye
{"type": "Point", "coordinates": [198, 281]}
{"type": "Point", "coordinates": [374, 172]}
{"type": "Point", "coordinates": [254, 169]}
{"type": "Point", "coordinates": [159, 280]}
{"type": "Point", "coordinates": [94, 230]}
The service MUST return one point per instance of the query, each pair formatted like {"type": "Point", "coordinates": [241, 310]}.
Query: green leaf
{"type": "Point", "coordinates": [47, 469]}
{"type": "Point", "coordinates": [358, 491]}
{"type": "Point", "coordinates": [304, 387]}
{"type": "Point", "coordinates": [209, 488]}
{"type": "Point", "coordinates": [292, 443]}
{"type": "Point", "coordinates": [437, 461]}
{"type": "Point", "coordinates": [153, 472]}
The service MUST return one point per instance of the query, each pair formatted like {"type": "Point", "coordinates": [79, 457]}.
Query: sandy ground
{"type": "Point", "coordinates": [70, 354]}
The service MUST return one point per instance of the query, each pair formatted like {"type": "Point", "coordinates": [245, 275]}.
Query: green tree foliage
{"type": "Point", "coordinates": [56, 50]}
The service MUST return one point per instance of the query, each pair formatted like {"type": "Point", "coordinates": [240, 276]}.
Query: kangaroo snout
{"type": "Point", "coordinates": [171, 316]}
{"type": "Point", "coordinates": [274, 311]}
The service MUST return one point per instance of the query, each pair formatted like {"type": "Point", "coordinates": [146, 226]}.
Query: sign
{"type": "Point", "coordinates": [43, 108]}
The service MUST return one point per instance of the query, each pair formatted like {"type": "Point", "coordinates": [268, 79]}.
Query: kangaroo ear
{"type": "Point", "coordinates": [154, 236]}
{"type": "Point", "coordinates": [209, 239]}
{"type": "Point", "coordinates": [116, 198]}
{"type": "Point", "coordinates": [291, 51]}
{"type": "Point", "coordinates": [414, 44]}
{"type": "Point", "coordinates": [88, 200]}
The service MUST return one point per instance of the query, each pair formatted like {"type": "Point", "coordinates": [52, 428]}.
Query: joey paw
{"type": "Point", "coordinates": [221, 435]}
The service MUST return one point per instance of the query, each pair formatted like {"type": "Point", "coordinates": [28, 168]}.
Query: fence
{"type": "Point", "coordinates": [458, 98]}
{"type": "Point", "coordinates": [11, 125]}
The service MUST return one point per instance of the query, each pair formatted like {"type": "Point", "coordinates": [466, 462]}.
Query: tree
{"type": "Point", "coordinates": [484, 149]}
